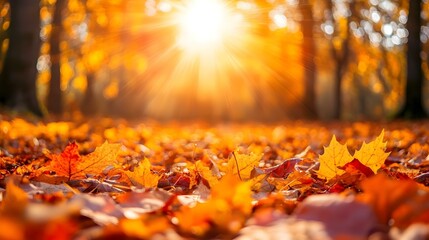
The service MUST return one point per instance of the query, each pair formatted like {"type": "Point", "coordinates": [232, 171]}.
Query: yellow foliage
{"type": "Point", "coordinates": [94, 59]}
{"type": "Point", "coordinates": [206, 173]}
{"type": "Point", "coordinates": [227, 208]}
{"type": "Point", "coordinates": [4, 11]}
{"type": "Point", "coordinates": [372, 154]}
{"type": "Point", "coordinates": [74, 5]}
{"type": "Point", "coordinates": [335, 155]}
{"type": "Point", "coordinates": [112, 90]}
{"type": "Point", "coordinates": [44, 13]}
{"type": "Point", "coordinates": [66, 71]}
{"type": "Point", "coordinates": [79, 83]}
{"type": "Point", "coordinates": [241, 165]}
{"type": "Point", "coordinates": [142, 176]}
{"type": "Point", "coordinates": [44, 77]}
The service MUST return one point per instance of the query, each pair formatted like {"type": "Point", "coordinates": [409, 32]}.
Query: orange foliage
{"type": "Point", "coordinates": [177, 180]}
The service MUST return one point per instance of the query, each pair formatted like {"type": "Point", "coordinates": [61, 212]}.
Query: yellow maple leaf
{"type": "Point", "coordinates": [142, 176]}
{"type": "Point", "coordinates": [372, 154]}
{"type": "Point", "coordinates": [335, 155]}
{"type": "Point", "coordinates": [241, 165]}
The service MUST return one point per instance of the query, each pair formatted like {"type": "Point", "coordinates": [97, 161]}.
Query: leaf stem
{"type": "Point", "coordinates": [238, 168]}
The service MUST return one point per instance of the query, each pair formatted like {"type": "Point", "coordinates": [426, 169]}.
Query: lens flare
{"type": "Point", "coordinates": [205, 24]}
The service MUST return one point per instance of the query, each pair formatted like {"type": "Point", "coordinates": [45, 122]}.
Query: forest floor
{"type": "Point", "coordinates": [111, 179]}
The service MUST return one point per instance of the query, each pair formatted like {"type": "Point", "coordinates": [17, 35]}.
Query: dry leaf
{"type": "Point", "coordinates": [372, 154]}
{"type": "Point", "coordinates": [242, 165]}
{"type": "Point", "coordinates": [335, 155]}
{"type": "Point", "coordinates": [71, 165]}
{"type": "Point", "coordinates": [142, 176]}
{"type": "Point", "coordinates": [206, 173]}
{"type": "Point", "coordinates": [103, 156]}
{"type": "Point", "coordinates": [65, 164]}
{"type": "Point", "coordinates": [226, 210]}
{"type": "Point", "coordinates": [15, 202]}
{"type": "Point", "coordinates": [385, 195]}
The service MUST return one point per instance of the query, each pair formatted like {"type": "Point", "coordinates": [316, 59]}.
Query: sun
{"type": "Point", "coordinates": [204, 24]}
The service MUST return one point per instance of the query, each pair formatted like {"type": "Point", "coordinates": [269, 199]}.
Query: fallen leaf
{"type": "Point", "coordinates": [340, 216]}
{"type": "Point", "coordinates": [226, 209]}
{"type": "Point", "coordinates": [242, 165]}
{"type": "Point", "coordinates": [72, 165]}
{"type": "Point", "coordinates": [103, 156]}
{"type": "Point", "coordinates": [11, 229]}
{"type": "Point", "coordinates": [144, 227]}
{"type": "Point", "coordinates": [206, 173]}
{"type": "Point", "coordinates": [64, 164]}
{"type": "Point", "coordinates": [142, 176]}
{"type": "Point", "coordinates": [15, 202]}
{"type": "Point", "coordinates": [356, 167]}
{"type": "Point", "coordinates": [136, 203]}
{"type": "Point", "coordinates": [385, 195]}
{"type": "Point", "coordinates": [373, 154]}
{"type": "Point", "coordinates": [335, 155]}
{"type": "Point", "coordinates": [283, 169]}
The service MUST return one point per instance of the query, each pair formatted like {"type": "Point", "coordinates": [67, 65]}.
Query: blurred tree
{"type": "Point", "coordinates": [308, 54]}
{"type": "Point", "coordinates": [413, 106]}
{"type": "Point", "coordinates": [54, 100]}
{"type": "Point", "coordinates": [340, 51]}
{"type": "Point", "coordinates": [18, 77]}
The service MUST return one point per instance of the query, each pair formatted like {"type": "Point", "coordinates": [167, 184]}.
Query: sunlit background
{"type": "Point", "coordinates": [227, 60]}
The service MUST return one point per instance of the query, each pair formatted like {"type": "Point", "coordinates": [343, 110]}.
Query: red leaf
{"type": "Point", "coordinates": [356, 166]}
{"type": "Point", "coordinates": [283, 169]}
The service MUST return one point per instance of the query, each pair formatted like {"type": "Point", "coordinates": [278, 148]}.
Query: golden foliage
{"type": "Point", "coordinates": [242, 165]}
{"type": "Point", "coordinates": [142, 175]}
{"type": "Point", "coordinates": [373, 154]}
{"type": "Point", "coordinates": [334, 156]}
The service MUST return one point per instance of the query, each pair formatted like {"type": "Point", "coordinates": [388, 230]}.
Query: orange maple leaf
{"type": "Point", "coordinates": [72, 165]}
{"type": "Point", "coordinates": [65, 164]}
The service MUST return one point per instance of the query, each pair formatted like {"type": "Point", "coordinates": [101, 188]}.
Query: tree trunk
{"type": "Point", "coordinates": [413, 106]}
{"type": "Point", "coordinates": [341, 58]}
{"type": "Point", "coordinates": [18, 78]}
{"type": "Point", "coordinates": [89, 106]}
{"type": "Point", "coordinates": [308, 54]}
{"type": "Point", "coordinates": [54, 99]}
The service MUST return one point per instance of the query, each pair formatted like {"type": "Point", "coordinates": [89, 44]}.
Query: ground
{"type": "Point", "coordinates": [111, 178]}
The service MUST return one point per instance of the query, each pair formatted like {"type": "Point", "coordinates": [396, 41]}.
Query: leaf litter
{"type": "Point", "coordinates": [108, 178]}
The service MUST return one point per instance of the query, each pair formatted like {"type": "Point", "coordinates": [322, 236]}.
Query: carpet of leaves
{"type": "Point", "coordinates": [113, 179]}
